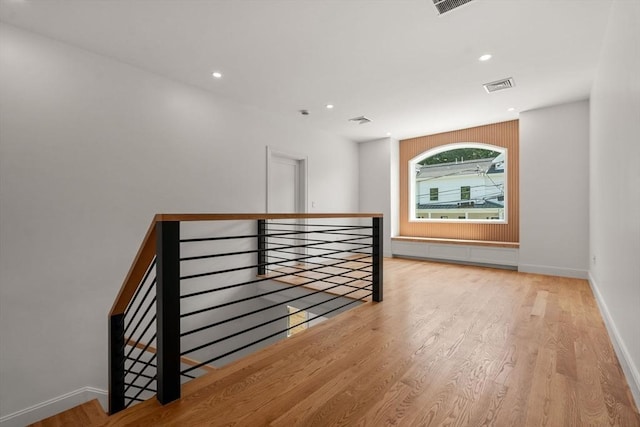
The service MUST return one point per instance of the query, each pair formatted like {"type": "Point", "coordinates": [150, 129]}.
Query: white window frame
{"type": "Point", "coordinates": [439, 149]}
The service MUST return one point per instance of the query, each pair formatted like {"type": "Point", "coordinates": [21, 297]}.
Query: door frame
{"type": "Point", "coordinates": [302, 184]}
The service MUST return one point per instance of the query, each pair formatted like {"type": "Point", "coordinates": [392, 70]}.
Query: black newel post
{"type": "Point", "coordinates": [116, 363]}
{"type": "Point", "coordinates": [168, 309]}
{"type": "Point", "coordinates": [377, 258]}
{"type": "Point", "coordinates": [262, 247]}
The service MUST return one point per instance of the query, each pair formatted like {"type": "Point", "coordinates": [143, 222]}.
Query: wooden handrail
{"type": "Point", "coordinates": [246, 216]}
{"type": "Point", "coordinates": [138, 268]}
{"type": "Point", "coordinates": [147, 249]}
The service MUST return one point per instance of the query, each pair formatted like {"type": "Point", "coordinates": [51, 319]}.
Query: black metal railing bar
{"type": "Point", "coordinates": [139, 290]}
{"type": "Point", "coordinates": [143, 375]}
{"type": "Point", "coordinates": [318, 242]}
{"type": "Point", "coordinates": [228, 303]}
{"type": "Point", "coordinates": [142, 390]}
{"type": "Point", "coordinates": [328, 272]}
{"type": "Point", "coordinates": [150, 323]}
{"type": "Point", "coordinates": [230, 270]}
{"type": "Point", "coordinates": [271, 276]}
{"type": "Point", "coordinates": [269, 307]}
{"type": "Point", "coordinates": [253, 236]}
{"type": "Point", "coordinates": [228, 353]}
{"type": "Point", "coordinates": [145, 347]}
{"type": "Point", "coordinates": [146, 365]}
{"type": "Point", "coordinates": [254, 327]}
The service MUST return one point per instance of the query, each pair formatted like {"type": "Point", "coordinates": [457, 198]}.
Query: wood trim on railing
{"type": "Point", "coordinates": [186, 360]}
{"type": "Point", "coordinates": [139, 267]}
{"type": "Point", "coordinates": [148, 247]}
{"type": "Point", "coordinates": [247, 216]}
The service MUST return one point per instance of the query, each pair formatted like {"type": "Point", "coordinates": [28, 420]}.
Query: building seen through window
{"type": "Point", "coordinates": [460, 182]}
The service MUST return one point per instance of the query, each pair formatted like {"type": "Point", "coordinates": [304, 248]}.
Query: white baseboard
{"type": "Point", "coordinates": [628, 366]}
{"type": "Point", "coordinates": [54, 406]}
{"type": "Point", "coordinates": [553, 271]}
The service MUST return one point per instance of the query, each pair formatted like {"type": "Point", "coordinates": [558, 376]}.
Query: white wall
{"type": "Point", "coordinates": [90, 149]}
{"type": "Point", "coordinates": [554, 190]}
{"type": "Point", "coordinates": [378, 179]}
{"type": "Point", "coordinates": [615, 186]}
{"type": "Point", "coordinates": [394, 160]}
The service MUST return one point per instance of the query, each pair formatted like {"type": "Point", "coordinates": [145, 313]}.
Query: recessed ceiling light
{"type": "Point", "coordinates": [329, 106]}
{"type": "Point", "coordinates": [511, 109]}
{"type": "Point", "coordinates": [388, 133]}
{"type": "Point", "coordinates": [485, 57]}
{"type": "Point", "coordinates": [217, 74]}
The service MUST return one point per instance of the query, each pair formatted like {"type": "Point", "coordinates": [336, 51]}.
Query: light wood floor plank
{"type": "Point", "coordinates": [87, 414]}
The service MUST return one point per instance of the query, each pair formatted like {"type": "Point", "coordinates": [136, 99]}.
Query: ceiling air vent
{"type": "Point", "coordinates": [502, 84]}
{"type": "Point", "coordinates": [444, 6]}
{"type": "Point", "coordinates": [361, 120]}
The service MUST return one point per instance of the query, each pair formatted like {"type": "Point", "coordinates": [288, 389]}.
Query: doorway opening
{"type": "Point", "coordinates": [287, 193]}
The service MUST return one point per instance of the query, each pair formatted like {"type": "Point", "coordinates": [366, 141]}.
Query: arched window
{"type": "Point", "coordinates": [459, 182]}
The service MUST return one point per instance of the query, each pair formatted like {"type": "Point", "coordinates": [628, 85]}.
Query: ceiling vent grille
{"type": "Point", "coordinates": [361, 120]}
{"type": "Point", "coordinates": [502, 84]}
{"type": "Point", "coordinates": [444, 6]}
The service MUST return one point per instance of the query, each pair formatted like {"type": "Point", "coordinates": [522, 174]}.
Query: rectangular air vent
{"type": "Point", "coordinates": [444, 6]}
{"type": "Point", "coordinates": [502, 84]}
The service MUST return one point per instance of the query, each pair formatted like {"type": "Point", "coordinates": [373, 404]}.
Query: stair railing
{"type": "Point", "coordinates": [190, 301]}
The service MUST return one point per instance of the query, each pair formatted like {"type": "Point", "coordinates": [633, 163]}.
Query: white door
{"type": "Point", "coordinates": [286, 182]}
{"type": "Point", "coordinates": [286, 193]}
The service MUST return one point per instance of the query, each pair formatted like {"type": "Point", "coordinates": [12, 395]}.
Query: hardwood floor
{"type": "Point", "coordinates": [88, 414]}
{"type": "Point", "coordinates": [450, 345]}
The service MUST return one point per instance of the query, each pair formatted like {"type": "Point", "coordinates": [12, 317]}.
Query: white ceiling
{"type": "Point", "coordinates": [396, 61]}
